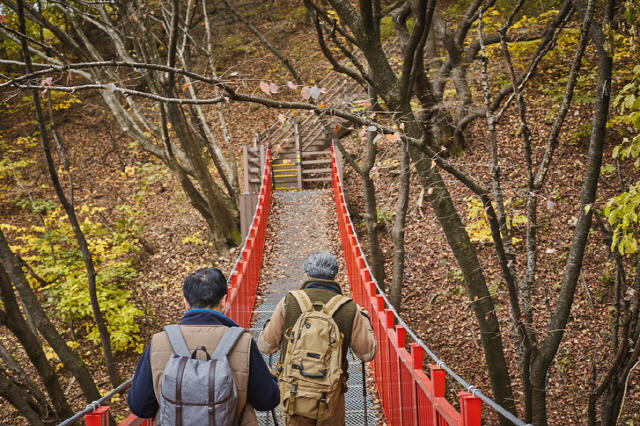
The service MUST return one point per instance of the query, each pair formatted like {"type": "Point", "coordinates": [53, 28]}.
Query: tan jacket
{"type": "Point", "coordinates": [208, 336]}
{"type": "Point", "coordinates": [363, 341]}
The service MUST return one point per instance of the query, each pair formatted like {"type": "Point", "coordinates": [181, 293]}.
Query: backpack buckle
{"type": "Point", "coordinates": [322, 405]}
{"type": "Point", "coordinates": [291, 409]}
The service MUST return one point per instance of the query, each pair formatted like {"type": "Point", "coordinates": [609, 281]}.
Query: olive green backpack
{"type": "Point", "coordinates": [310, 374]}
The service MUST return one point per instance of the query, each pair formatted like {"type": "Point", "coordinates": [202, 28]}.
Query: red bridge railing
{"type": "Point", "coordinates": [408, 395]}
{"type": "Point", "coordinates": [243, 286]}
{"type": "Point", "coordinates": [246, 274]}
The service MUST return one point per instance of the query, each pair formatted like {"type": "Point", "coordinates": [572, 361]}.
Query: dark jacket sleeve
{"type": "Point", "coordinates": [141, 399]}
{"type": "Point", "coordinates": [263, 392]}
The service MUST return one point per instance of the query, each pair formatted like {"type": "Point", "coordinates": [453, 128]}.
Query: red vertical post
{"type": "Point", "coordinates": [381, 337]}
{"type": "Point", "coordinates": [367, 275]}
{"type": "Point", "coordinates": [402, 336]}
{"type": "Point", "coordinates": [371, 289]}
{"type": "Point", "coordinates": [98, 417]}
{"type": "Point", "coordinates": [419, 410]}
{"type": "Point", "coordinates": [417, 353]}
{"type": "Point", "coordinates": [353, 253]}
{"type": "Point", "coordinates": [362, 268]}
{"type": "Point", "coordinates": [390, 369]}
{"type": "Point", "coordinates": [438, 380]}
{"type": "Point", "coordinates": [403, 398]}
{"type": "Point", "coordinates": [471, 409]}
{"type": "Point", "coordinates": [237, 311]}
{"type": "Point", "coordinates": [246, 256]}
{"type": "Point", "coordinates": [234, 280]}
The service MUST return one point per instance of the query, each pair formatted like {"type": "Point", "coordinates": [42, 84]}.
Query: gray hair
{"type": "Point", "coordinates": [321, 265]}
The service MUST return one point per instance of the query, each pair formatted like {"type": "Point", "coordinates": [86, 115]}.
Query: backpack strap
{"type": "Point", "coordinates": [335, 303]}
{"type": "Point", "coordinates": [176, 339]}
{"type": "Point", "coordinates": [303, 300]}
{"type": "Point", "coordinates": [227, 343]}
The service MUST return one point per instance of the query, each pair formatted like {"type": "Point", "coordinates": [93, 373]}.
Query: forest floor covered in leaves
{"type": "Point", "coordinates": [109, 171]}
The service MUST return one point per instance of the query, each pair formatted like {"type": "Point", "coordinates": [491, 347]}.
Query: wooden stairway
{"type": "Point", "coordinates": [300, 146]}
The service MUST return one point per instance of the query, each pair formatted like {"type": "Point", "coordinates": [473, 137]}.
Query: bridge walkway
{"type": "Point", "coordinates": [292, 235]}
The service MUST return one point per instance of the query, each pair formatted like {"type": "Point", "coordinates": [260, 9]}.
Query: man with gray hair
{"type": "Point", "coordinates": [319, 295]}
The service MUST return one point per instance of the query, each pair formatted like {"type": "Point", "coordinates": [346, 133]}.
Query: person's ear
{"type": "Point", "coordinates": [186, 304]}
{"type": "Point", "coordinates": [223, 303]}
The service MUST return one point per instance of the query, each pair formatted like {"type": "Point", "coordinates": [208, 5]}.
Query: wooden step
{"type": "Point", "coordinates": [322, 179]}
{"type": "Point", "coordinates": [310, 153]}
{"type": "Point", "coordinates": [310, 171]}
{"type": "Point", "coordinates": [323, 161]}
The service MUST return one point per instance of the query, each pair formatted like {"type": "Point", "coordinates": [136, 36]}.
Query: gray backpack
{"type": "Point", "coordinates": [198, 392]}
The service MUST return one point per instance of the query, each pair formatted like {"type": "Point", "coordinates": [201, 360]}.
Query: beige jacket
{"type": "Point", "coordinates": [208, 336]}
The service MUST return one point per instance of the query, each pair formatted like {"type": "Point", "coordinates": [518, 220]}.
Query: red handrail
{"type": "Point", "coordinates": [246, 275]}
{"type": "Point", "coordinates": [408, 395]}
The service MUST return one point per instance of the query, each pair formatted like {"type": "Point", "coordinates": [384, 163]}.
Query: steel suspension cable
{"type": "Point", "coordinates": [95, 404]}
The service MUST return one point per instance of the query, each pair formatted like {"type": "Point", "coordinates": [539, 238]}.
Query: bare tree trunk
{"type": "Point", "coordinates": [235, 182]}
{"type": "Point", "coordinates": [69, 209]}
{"type": "Point", "coordinates": [371, 214]}
{"type": "Point", "coordinates": [376, 256]}
{"type": "Point", "coordinates": [466, 257]}
{"type": "Point", "coordinates": [20, 399]}
{"type": "Point", "coordinates": [399, 226]}
{"type": "Point", "coordinates": [225, 229]}
{"type": "Point", "coordinates": [549, 347]}
{"type": "Point", "coordinates": [21, 377]}
{"type": "Point", "coordinates": [32, 346]}
{"type": "Point", "coordinates": [70, 360]}
{"type": "Point", "coordinates": [398, 101]}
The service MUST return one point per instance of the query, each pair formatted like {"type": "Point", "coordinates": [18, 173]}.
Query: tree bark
{"type": "Point", "coordinates": [399, 222]}
{"type": "Point", "coordinates": [70, 360]}
{"type": "Point", "coordinates": [549, 347]}
{"type": "Point", "coordinates": [466, 257]}
{"type": "Point", "coordinates": [376, 255]}
{"type": "Point", "coordinates": [21, 377]}
{"type": "Point", "coordinates": [32, 346]}
{"type": "Point", "coordinates": [225, 229]}
{"type": "Point", "coordinates": [19, 399]}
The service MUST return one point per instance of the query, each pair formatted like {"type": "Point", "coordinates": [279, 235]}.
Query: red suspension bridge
{"type": "Point", "coordinates": [409, 395]}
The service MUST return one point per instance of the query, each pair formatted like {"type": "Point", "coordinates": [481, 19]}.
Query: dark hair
{"type": "Point", "coordinates": [204, 288]}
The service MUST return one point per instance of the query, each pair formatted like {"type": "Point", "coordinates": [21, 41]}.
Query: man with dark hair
{"type": "Point", "coordinates": [355, 331]}
{"type": "Point", "coordinates": [203, 324]}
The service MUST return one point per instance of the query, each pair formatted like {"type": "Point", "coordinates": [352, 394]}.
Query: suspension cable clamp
{"type": "Point", "coordinates": [93, 406]}
{"type": "Point", "coordinates": [473, 390]}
